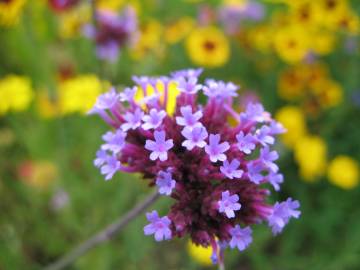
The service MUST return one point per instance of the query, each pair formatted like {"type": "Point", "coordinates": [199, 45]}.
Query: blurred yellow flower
{"type": "Point", "coordinates": [200, 254]}
{"type": "Point", "coordinates": [292, 43]}
{"type": "Point", "coordinates": [46, 107]}
{"type": "Point", "coordinates": [38, 174]}
{"type": "Point", "coordinates": [322, 42]}
{"type": "Point", "coordinates": [310, 154]}
{"type": "Point", "coordinates": [291, 83]}
{"type": "Point", "coordinates": [72, 21]}
{"type": "Point", "coordinates": [172, 94]}
{"type": "Point", "coordinates": [328, 92]}
{"type": "Point", "coordinates": [10, 11]}
{"type": "Point", "coordinates": [150, 40]}
{"type": "Point", "coordinates": [260, 37]}
{"type": "Point", "coordinates": [116, 5]}
{"type": "Point", "coordinates": [176, 31]}
{"type": "Point", "coordinates": [15, 93]}
{"type": "Point", "coordinates": [208, 47]}
{"type": "Point", "coordinates": [294, 121]}
{"type": "Point", "coordinates": [79, 94]}
{"type": "Point", "coordinates": [343, 171]}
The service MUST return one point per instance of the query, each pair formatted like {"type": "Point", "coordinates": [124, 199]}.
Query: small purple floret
{"type": "Point", "coordinates": [230, 170]}
{"type": "Point", "coordinates": [159, 147]}
{"type": "Point", "coordinates": [194, 137]}
{"type": "Point", "coordinates": [159, 226]}
{"type": "Point", "coordinates": [133, 120]}
{"type": "Point", "coordinates": [228, 204]}
{"type": "Point", "coordinates": [246, 143]}
{"type": "Point", "coordinates": [240, 238]}
{"type": "Point", "coordinates": [154, 119]}
{"type": "Point", "coordinates": [188, 119]}
{"type": "Point", "coordinates": [165, 183]}
{"type": "Point", "coordinates": [281, 214]}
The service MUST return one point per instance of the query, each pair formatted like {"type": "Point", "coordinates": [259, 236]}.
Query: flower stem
{"type": "Point", "coordinates": [221, 265]}
{"type": "Point", "coordinates": [104, 235]}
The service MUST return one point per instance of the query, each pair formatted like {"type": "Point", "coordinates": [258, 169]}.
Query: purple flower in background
{"type": "Point", "coordinates": [133, 120]}
{"type": "Point", "coordinates": [188, 118]}
{"type": "Point", "coordinates": [112, 32]}
{"type": "Point", "coordinates": [246, 143]}
{"type": "Point", "coordinates": [178, 150]}
{"type": "Point", "coordinates": [228, 204]}
{"type": "Point", "coordinates": [159, 147]}
{"type": "Point", "coordinates": [215, 149]}
{"type": "Point", "coordinates": [230, 170]}
{"type": "Point", "coordinates": [111, 166]}
{"type": "Point", "coordinates": [194, 137]}
{"type": "Point", "coordinates": [165, 183]}
{"type": "Point", "coordinates": [275, 179]}
{"type": "Point", "coordinates": [267, 157]}
{"type": "Point", "coordinates": [263, 136]}
{"type": "Point", "coordinates": [154, 119]}
{"type": "Point", "coordinates": [281, 214]}
{"type": "Point", "coordinates": [159, 226]}
{"type": "Point", "coordinates": [240, 238]}
{"type": "Point", "coordinates": [114, 141]}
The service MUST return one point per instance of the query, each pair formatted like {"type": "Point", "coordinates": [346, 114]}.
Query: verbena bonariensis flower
{"type": "Point", "coordinates": [219, 174]}
{"type": "Point", "coordinates": [112, 32]}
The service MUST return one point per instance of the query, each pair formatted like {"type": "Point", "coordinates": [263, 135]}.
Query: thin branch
{"type": "Point", "coordinates": [104, 235]}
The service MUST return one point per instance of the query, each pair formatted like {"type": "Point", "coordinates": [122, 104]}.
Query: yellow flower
{"type": "Point", "coordinates": [177, 30]}
{"type": "Point", "coordinates": [323, 42]}
{"type": "Point", "coordinates": [305, 13]}
{"type": "Point", "coordinates": [310, 154]}
{"type": "Point", "coordinates": [10, 12]}
{"type": "Point", "coordinates": [150, 40]}
{"type": "Point", "coordinates": [328, 92]}
{"type": "Point", "coordinates": [79, 94]}
{"type": "Point", "coordinates": [292, 43]}
{"type": "Point", "coordinates": [72, 21]}
{"type": "Point", "coordinates": [260, 37]}
{"type": "Point", "coordinates": [15, 93]}
{"type": "Point", "coordinates": [343, 172]}
{"type": "Point", "coordinates": [208, 46]}
{"type": "Point", "coordinates": [292, 82]}
{"type": "Point", "coordinates": [293, 120]}
{"type": "Point", "coordinates": [38, 174]}
{"type": "Point", "coordinates": [200, 254]}
{"type": "Point", "coordinates": [47, 108]}
{"type": "Point", "coordinates": [330, 11]}
{"type": "Point", "coordinates": [173, 92]}
{"type": "Point", "coordinates": [116, 5]}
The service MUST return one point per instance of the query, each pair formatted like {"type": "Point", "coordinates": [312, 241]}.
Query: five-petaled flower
{"type": "Point", "coordinates": [230, 170]}
{"type": "Point", "coordinates": [188, 118]}
{"type": "Point", "coordinates": [154, 119]}
{"type": "Point", "coordinates": [228, 204]}
{"type": "Point", "coordinates": [240, 238]}
{"type": "Point", "coordinates": [133, 120]}
{"type": "Point", "coordinates": [165, 182]}
{"type": "Point", "coordinates": [159, 226]}
{"type": "Point", "coordinates": [159, 147]}
{"type": "Point", "coordinates": [246, 143]}
{"type": "Point", "coordinates": [194, 137]}
{"type": "Point", "coordinates": [215, 149]}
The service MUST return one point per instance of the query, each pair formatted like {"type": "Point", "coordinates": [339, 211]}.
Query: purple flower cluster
{"type": "Point", "coordinates": [218, 173]}
{"type": "Point", "coordinates": [112, 32]}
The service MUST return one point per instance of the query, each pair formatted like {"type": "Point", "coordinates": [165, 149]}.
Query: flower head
{"type": "Point", "coordinates": [217, 174]}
